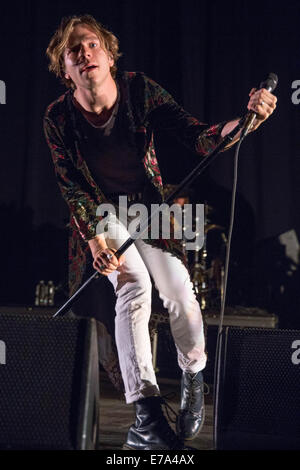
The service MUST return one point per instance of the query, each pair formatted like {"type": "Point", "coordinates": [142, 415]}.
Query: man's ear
{"type": "Point", "coordinates": [111, 60]}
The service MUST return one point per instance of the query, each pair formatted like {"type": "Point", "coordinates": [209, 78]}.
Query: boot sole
{"type": "Point", "coordinates": [126, 447]}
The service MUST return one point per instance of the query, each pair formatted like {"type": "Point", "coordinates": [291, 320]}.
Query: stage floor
{"type": "Point", "coordinates": [116, 417]}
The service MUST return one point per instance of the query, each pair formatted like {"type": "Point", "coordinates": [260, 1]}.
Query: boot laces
{"type": "Point", "coordinates": [192, 396]}
{"type": "Point", "coordinates": [168, 408]}
{"type": "Point", "coordinates": [171, 436]}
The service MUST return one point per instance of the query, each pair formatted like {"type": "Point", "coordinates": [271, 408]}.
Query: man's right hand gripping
{"type": "Point", "coordinates": [105, 262]}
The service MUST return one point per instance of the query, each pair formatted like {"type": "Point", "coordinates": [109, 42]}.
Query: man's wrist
{"type": "Point", "coordinates": [96, 244]}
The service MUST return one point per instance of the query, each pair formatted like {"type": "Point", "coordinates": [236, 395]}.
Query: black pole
{"type": "Point", "coordinates": [204, 163]}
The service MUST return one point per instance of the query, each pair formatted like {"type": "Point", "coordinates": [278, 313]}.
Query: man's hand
{"type": "Point", "coordinates": [105, 262]}
{"type": "Point", "coordinates": [263, 103]}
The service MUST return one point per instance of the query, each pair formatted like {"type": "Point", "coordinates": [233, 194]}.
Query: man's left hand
{"type": "Point", "coordinates": [263, 103]}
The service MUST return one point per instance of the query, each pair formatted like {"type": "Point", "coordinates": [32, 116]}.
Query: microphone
{"type": "Point", "coordinates": [269, 84]}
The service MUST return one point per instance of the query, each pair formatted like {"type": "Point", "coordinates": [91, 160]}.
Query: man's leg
{"type": "Point", "coordinates": [173, 283]}
{"type": "Point", "coordinates": [132, 285]}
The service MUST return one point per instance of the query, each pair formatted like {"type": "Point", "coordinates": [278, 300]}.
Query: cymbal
{"type": "Point", "coordinates": [208, 227]}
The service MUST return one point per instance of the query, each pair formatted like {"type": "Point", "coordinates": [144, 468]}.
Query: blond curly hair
{"type": "Point", "coordinates": [59, 41]}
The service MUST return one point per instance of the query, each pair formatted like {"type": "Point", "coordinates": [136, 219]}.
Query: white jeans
{"type": "Point", "coordinates": [133, 287]}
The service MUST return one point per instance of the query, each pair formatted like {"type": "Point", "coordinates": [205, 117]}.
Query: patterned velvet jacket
{"type": "Point", "coordinates": [147, 106]}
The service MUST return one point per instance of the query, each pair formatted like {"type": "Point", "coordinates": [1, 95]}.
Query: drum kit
{"type": "Point", "coordinates": [207, 270]}
{"type": "Point", "coordinates": [207, 263]}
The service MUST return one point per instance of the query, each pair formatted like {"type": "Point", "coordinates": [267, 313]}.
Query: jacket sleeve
{"type": "Point", "coordinates": [166, 114]}
{"type": "Point", "coordinates": [74, 188]}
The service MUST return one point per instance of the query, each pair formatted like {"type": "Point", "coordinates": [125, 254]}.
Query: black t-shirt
{"type": "Point", "coordinates": [112, 160]}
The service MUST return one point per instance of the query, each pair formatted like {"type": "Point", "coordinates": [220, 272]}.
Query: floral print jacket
{"type": "Point", "coordinates": [147, 106]}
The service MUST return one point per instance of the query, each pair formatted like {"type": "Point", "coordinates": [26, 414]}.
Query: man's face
{"type": "Point", "coordinates": [87, 63]}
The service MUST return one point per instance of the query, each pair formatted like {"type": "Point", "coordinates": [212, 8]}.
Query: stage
{"type": "Point", "coordinates": [116, 417]}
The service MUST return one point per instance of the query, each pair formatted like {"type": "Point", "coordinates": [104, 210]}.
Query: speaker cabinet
{"type": "Point", "coordinates": [49, 376]}
{"type": "Point", "coordinates": [257, 389]}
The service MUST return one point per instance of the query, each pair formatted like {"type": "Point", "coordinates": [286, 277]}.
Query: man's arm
{"type": "Point", "coordinates": [82, 206]}
{"type": "Point", "coordinates": [263, 103]}
{"type": "Point", "coordinates": [74, 188]}
{"type": "Point", "coordinates": [165, 113]}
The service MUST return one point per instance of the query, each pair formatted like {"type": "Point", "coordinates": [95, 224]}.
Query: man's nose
{"type": "Point", "coordinates": [84, 51]}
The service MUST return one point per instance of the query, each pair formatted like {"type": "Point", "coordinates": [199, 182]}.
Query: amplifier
{"type": "Point", "coordinates": [164, 351]}
{"type": "Point", "coordinates": [49, 375]}
{"type": "Point", "coordinates": [257, 398]}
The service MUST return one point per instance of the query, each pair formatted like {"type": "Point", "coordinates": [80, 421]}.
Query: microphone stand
{"type": "Point", "coordinates": [203, 164]}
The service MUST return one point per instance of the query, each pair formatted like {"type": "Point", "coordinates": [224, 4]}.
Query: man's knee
{"type": "Point", "coordinates": [183, 296]}
{"type": "Point", "coordinates": [137, 287]}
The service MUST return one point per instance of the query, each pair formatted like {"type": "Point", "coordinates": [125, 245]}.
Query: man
{"type": "Point", "coordinates": [100, 133]}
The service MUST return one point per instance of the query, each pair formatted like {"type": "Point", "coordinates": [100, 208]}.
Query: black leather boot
{"type": "Point", "coordinates": [191, 415]}
{"type": "Point", "coordinates": [151, 430]}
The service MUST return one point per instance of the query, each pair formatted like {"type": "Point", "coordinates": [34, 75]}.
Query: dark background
{"type": "Point", "coordinates": [208, 55]}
